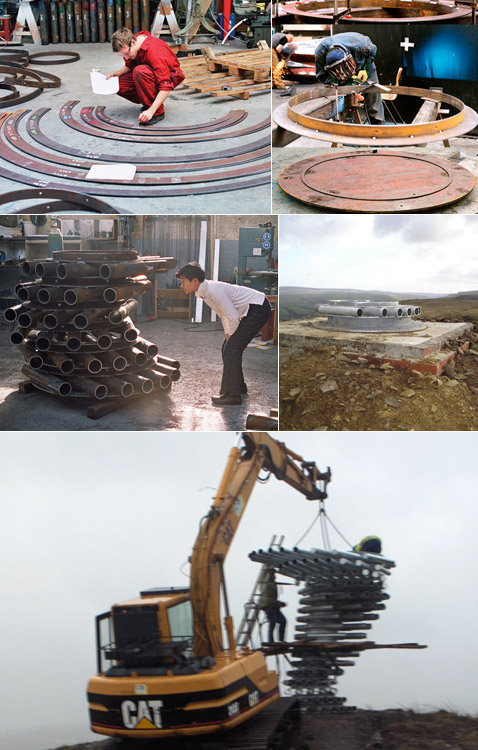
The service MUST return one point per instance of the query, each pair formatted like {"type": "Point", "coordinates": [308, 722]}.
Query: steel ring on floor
{"type": "Point", "coordinates": [68, 57]}
{"type": "Point", "coordinates": [14, 93]}
{"type": "Point", "coordinates": [36, 79]}
{"type": "Point", "coordinates": [69, 198]}
{"type": "Point", "coordinates": [20, 99]}
{"type": "Point", "coordinates": [18, 56]}
{"type": "Point", "coordinates": [30, 78]}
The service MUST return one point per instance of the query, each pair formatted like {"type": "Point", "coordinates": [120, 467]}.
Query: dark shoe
{"type": "Point", "coordinates": [226, 400]}
{"type": "Point", "coordinates": [243, 390]}
{"type": "Point", "coordinates": [154, 120]}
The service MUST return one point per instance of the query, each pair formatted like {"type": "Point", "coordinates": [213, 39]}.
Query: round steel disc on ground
{"type": "Point", "coordinates": [376, 182]}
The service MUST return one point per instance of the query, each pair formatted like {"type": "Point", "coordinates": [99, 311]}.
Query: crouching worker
{"type": "Point", "coordinates": [243, 312]}
{"type": "Point", "coordinates": [150, 72]}
{"type": "Point", "coordinates": [347, 58]}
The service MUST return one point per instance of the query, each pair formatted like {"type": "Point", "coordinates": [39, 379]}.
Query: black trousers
{"type": "Point", "coordinates": [232, 350]}
{"type": "Point", "coordinates": [275, 617]}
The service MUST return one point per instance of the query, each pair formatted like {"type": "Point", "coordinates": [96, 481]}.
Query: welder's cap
{"type": "Point", "coordinates": [340, 64]}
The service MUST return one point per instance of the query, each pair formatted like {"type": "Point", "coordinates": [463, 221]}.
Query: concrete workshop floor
{"type": "Point", "coordinates": [304, 148]}
{"type": "Point", "coordinates": [186, 406]}
{"type": "Point", "coordinates": [182, 108]}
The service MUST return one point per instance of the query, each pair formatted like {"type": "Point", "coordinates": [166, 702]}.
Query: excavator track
{"type": "Point", "coordinates": [271, 729]}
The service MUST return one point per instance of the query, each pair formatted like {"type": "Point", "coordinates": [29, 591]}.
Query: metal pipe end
{"type": "Point", "coordinates": [80, 321]}
{"type": "Point", "coordinates": [70, 297]}
{"type": "Point", "coordinates": [43, 296]}
{"type": "Point", "coordinates": [40, 269]}
{"type": "Point", "coordinates": [23, 294]}
{"type": "Point", "coordinates": [104, 341]}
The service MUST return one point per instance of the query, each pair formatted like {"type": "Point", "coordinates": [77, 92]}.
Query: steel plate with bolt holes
{"type": "Point", "coordinates": [376, 182]}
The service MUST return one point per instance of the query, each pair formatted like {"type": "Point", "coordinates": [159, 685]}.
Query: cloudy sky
{"type": "Point", "coordinates": [90, 519]}
{"type": "Point", "coordinates": [415, 253]}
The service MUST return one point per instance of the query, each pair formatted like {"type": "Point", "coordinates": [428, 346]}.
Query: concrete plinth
{"type": "Point", "coordinates": [420, 350]}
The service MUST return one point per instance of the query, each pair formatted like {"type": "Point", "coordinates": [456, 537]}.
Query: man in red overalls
{"type": "Point", "coordinates": [151, 71]}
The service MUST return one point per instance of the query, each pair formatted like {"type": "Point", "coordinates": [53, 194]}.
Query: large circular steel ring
{"type": "Point", "coordinates": [294, 116]}
{"type": "Point", "coordinates": [65, 57]}
{"type": "Point", "coordinates": [379, 11]}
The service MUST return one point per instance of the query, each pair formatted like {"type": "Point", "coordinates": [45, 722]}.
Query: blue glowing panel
{"type": "Point", "coordinates": [448, 53]}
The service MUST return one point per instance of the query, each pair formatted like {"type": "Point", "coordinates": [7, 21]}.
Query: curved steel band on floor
{"type": "Point", "coordinates": [13, 136]}
{"type": "Point", "coordinates": [12, 96]}
{"type": "Point", "coordinates": [426, 12]}
{"type": "Point", "coordinates": [378, 131]}
{"type": "Point", "coordinates": [100, 120]}
{"type": "Point", "coordinates": [69, 173]}
{"type": "Point", "coordinates": [33, 130]}
{"type": "Point", "coordinates": [67, 118]}
{"type": "Point", "coordinates": [263, 179]}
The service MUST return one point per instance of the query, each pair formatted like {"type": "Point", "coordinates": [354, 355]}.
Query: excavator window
{"type": "Point", "coordinates": [180, 617]}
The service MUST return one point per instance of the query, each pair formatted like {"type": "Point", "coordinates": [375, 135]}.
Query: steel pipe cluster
{"type": "Point", "coordinates": [342, 593]}
{"type": "Point", "coordinates": [78, 21]}
{"type": "Point", "coordinates": [73, 325]}
{"type": "Point", "coordinates": [370, 317]}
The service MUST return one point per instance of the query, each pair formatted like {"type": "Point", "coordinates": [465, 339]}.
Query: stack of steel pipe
{"type": "Point", "coordinates": [342, 593]}
{"type": "Point", "coordinates": [370, 317]}
{"type": "Point", "coordinates": [78, 21]}
{"type": "Point", "coordinates": [73, 325]}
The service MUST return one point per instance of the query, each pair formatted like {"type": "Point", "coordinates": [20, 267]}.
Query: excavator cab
{"type": "Point", "coordinates": [151, 635]}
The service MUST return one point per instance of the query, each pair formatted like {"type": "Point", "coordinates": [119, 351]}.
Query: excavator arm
{"type": "Point", "coordinates": [258, 452]}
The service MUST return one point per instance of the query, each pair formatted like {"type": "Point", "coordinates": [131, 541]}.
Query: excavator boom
{"type": "Point", "coordinates": [259, 452]}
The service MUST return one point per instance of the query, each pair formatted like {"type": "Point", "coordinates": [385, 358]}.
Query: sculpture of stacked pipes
{"type": "Point", "coordinates": [342, 593]}
{"type": "Point", "coordinates": [74, 329]}
{"type": "Point", "coordinates": [78, 21]}
{"type": "Point", "coordinates": [370, 317]}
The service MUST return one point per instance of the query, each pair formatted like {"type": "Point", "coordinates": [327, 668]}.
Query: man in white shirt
{"type": "Point", "coordinates": [243, 312]}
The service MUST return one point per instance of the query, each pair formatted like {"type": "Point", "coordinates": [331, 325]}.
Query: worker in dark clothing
{"type": "Point", "coordinates": [150, 72]}
{"type": "Point", "coordinates": [347, 58]}
{"type": "Point", "coordinates": [243, 312]}
{"type": "Point", "coordinates": [282, 43]}
{"type": "Point", "coordinates": [371, 544]}
{"type": "Point", "coordinates": [272, 607]}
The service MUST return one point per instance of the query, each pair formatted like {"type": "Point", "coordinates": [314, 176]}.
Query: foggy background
{"type": "Point", "coordinates": [403, 254]}
{"type": "Point", "coordinates": [90, 519]}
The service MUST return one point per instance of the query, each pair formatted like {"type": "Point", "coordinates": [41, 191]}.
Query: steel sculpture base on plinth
{"type": "Point", "coordinates": [378, 11]}
{"type": "Point", "coordinates": [369, 317]}
{"type": "Point", "coordinates": [376, 182]}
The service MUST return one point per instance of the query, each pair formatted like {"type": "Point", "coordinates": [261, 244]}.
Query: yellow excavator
{"type": "Point", "coordinates": [163, 667]}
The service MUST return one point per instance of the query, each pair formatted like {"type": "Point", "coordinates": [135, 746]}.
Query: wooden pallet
{"type": "Point", "coordinates": [236, 74]}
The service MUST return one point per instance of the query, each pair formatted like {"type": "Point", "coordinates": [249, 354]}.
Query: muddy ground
{"type": "Point", "coordinates": [390, 730]}
{"type": "Point", "coordinates": [323, 389]}
{"type": "Point", "coordinates": [358, 730]}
